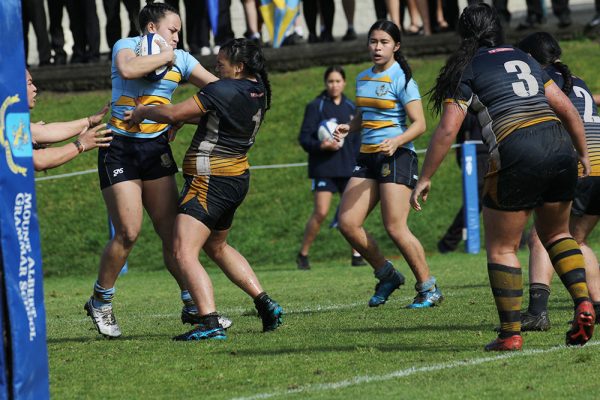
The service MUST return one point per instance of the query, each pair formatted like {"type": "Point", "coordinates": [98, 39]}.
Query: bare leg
{"type": "Point", "coordinates": [502, 235]}
{"type": "Point", "coordinates": [232, 263]}
{"type": "Point", "coordinates": [395, 207]}
{"type": "Point", "coordinates": [358, 200]}
{"type": "Point", "coordinates": [393, 9]}
{"type": "Point", "coordinates": [581, 227]}
{"type": "Point", "coordinates": [423, 7]}
{"type": "Point", "coordinates": [540, 266]}
{"type": "Point", "coordinates": [251, 14]}
{"type": "Point", "coordinates": [190, 237]}
{"type": "Point", "coordinates": [124, 205]}
{"type": "Point", "coordinates": [322, 203]}
{"type": "Point", "coordinates": [349, 6]}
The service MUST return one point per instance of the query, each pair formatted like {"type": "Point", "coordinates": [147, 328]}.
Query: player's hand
{"type": "Point", "coordinates": [167, 51]}
{"type": "Point", "coordinates": [341, 131]}
{"type": "Point", "coordinates": [172, 132]}
{"type": "Point", "coordinates": [388, 147]}
{"type": "Point", "coordinates": [421, 190]}
{"type": "Point", "coordinates": [94, 137]}
{"type": "Point", "coordinates": [95, 119]}
{"type": "Point", "coordinates": [585, 163]}
{"type": "Point", "coordinates": [330, 145]}
{"type": "Point", "coordinates": [135, 116]}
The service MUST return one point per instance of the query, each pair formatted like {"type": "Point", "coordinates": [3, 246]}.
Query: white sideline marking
{"type": "Point", "coordinates": [357, 380]}
{"type": "Point", "coordinates": [272, 166]}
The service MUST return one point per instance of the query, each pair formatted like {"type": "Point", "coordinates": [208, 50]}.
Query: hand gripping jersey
{"type": "Point", "coordinates": [582, 99]}
{"type": "Point", "coordinates": [125, 91]}
{"type": "Point", "coordinates": [381, 97]}
{"type": "Point", "coordinates": [505, 88]}
{"type": "Point", "coordinates": [234, 110]}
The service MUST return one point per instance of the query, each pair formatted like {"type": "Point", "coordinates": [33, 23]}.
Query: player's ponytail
{"type": "Point", "coordinates": [392, 29]}
{"type": "Point", "coordinates": [478, 26]}
{"type": "Point", "coordinates": [250, 54]}
{"type": "Point", "coordinates": [153, 12]}
{"type": "Point", "coordinates": [545, 50]}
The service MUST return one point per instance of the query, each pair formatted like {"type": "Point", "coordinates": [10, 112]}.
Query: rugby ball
{"type": "Point", "coordinates": [148, 46]}
{"type": "Point", "coordinates": [326, 129]}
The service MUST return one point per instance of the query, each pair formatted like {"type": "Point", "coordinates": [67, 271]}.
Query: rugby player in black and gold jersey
{"type": "Point", "coordinates": [533, 164]}
{"type": "Point", "coordinates": [229, 113]}
{"type": "Point", "coordinates": [585, 212]}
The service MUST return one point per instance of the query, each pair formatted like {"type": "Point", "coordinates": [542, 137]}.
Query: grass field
{"type": "Point", "coordinates": [331, 345]}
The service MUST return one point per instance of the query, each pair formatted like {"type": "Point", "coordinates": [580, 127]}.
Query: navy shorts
{"type": "Point", "coordinates": [128, 159]}
{"type": "Point", "coordinates": [587, 196]}
{"type": "Point", "coordinates": [213, 200]}
{"type": "Point", "coordinates": [402, 167]}
{"type": "Point", "coordinates": [333, 185]}
{"type": "Point", "coordinates": [538, 165]}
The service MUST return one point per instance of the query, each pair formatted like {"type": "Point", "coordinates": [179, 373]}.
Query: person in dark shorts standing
{"type": "Point", "coordinates": [585, 212]}
{"type": "Point", "coordinates": [229, 113]}
{"type": "Point", "coordinates": [533, 165]}
{"type": "Point", "coordinates": [330, 164]}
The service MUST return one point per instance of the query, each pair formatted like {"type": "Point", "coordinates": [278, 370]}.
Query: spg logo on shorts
{"type": "Point", "coordinates": [385, 170]}
{"type": "Point", "coordinates": [165, 161]}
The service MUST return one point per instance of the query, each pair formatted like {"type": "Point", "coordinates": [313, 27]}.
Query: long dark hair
{"type": "Point", "coordinates": [545, 49]}
{"type": "Point", "coordinates": [392, 29]}
{"type": "Point", "coordinates": [478, 26]}
{"type": "Point", "coordinates": [334, 68]}
{"type": "Point", "coordinates": [250, 54]}
{"type": "Point", "coordinates": [153, 12]}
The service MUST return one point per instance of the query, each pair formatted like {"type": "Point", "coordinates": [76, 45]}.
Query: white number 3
{"type": "Point", "coordinates": [524, 74]}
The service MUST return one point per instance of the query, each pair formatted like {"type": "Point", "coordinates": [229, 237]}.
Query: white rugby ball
{"type": "Point", "coordinates": [148, 46]}
{"type": "Point", "coordinates": [326, 129]}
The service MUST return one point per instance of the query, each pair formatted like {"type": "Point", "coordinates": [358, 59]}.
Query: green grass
{"type": "Point", "coordinates": [329, 336]}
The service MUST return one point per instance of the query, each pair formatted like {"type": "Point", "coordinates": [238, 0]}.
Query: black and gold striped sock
{"type": "Point", "coordinates": [507, 288]}
{"type": "Point", "coordinates": [570, 266]}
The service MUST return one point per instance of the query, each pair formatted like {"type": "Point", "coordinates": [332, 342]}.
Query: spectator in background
{"type": "Point", "coordinates": [535, 14]}
{"type": "Point", "coordinates": [85, 28]}
{"type": "Point", "coordinates": [57, 37]}
{"type": "Point", "coordinates": [251, 15]}
{"type": "Point", "coordinates": [112, 8]}
{"type": "Point", "coordinates": [312, 8]}
{"type": "Point", "coordinates": [224, 31]}
{"type": "Point", "coordinates": [595, 22]}
{"type": "Point", "coordinates": [417, 9]}
{"type": "Point", "coordinates": [330, 163]}
{"type": "Point", "coordinates": [34, 13]}
{"type": "Point", "coordinates": [349, 7]}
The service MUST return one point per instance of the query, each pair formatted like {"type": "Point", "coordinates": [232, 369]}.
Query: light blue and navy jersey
{"type": "Point", "coordinates": [125, 91]}
{"type": "Point", "coordinates": [582, 99]}
{"type": "Point", "coordinates": [381, 97]}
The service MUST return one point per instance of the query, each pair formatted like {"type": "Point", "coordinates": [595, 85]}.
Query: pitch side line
{"type": "Point", "coordinates": [358, 380]}
{"type": "Point", "coordinates": [272, 166]}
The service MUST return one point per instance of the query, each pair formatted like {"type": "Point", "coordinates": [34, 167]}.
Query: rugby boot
{"type": "Point", "coordinates": [202, 332]}
{"type": "Point", "coordinates": [358, 261]}
{"type": "Point", "coordinates": [430, 298]}
{"type": "Point", "coordinates": [193, 318]}
{"type": "Point", "coordinates": [582, 326]}
{"type": "Point", "coordinates": [385, 287]}
{"type": "Point", "coordinates": [270, 312]}
{"type": "Point", "coordinates": [104, 320]}
{"type": "Point", "coordinates": [532, 322]}
{"type": "Point", "coordinates": [302, 262]}
{"type": "Point", "coordinates": [511, 343]}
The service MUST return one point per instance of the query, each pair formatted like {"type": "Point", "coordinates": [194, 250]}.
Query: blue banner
{"type": "Point", "coordinates": [19, 234]}
{"type": "Point", "coordinates": [3, 321]}
{"type": "Point", "coordinates": [471, 196]}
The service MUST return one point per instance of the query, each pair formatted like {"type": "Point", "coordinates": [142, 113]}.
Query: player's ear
{"type": "Point", "coordinates": [151, 27]}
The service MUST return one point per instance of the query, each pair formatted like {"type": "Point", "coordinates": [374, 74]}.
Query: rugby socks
{"type": "Point", "coordinates": [102, 297]}
{"type": "Point", "coordinates": [538, 298]}
{"type": "Point", "coordinates": [261, 300]}
{"type": "Point", "coordinates": [570, 266]}
{"type": "Point", "coordinates": [427, 286]}
{"type": "Point", "coordinates": [188, 302]}
{"type": "Point", "coordinates": [386, 273]}
{"type": "Point", "coordinates": [210, 321]}
{"type": "Point", "coordinates": [597, 311]}
{"type": "Point", "coordinates": [507, 288]}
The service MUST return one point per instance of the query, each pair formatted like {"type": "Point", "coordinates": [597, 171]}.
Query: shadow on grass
{"type": "Point", "coordinates": [420, 328]}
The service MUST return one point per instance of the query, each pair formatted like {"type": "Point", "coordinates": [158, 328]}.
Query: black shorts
{"type": "Point", "coordinates": [128, 159]}
{"type": "Point", "coordinates": [402, 167]}
{"type": "Point", "coordinates": [213, 200]}
{"type": "Point", "coordinates": [538, 165]}
{"type": "Point", "coordinates": [333, 185]}
{"type": "Point", "coordinates": [587, 196]}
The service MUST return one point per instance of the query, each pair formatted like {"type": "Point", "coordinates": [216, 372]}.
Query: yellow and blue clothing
{"type": "Point", "coordinates": [125, 91]}
{"type": "Point", "coordinates": [381, 98]}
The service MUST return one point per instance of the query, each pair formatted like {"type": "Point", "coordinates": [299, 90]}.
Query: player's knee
{"type": "Point", "coordinates": [126, 237]}
{"type": "Point", "coordinates": [214, 250]}
{"type": "Point", "coordinates": [319, 216]}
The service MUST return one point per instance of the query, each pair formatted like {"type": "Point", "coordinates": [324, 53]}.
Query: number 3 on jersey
{"type": "Point", "coordinates": [527, 85]}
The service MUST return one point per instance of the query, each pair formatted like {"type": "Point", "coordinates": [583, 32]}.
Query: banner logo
{"type": "Point", "coordinates": [14, 136]}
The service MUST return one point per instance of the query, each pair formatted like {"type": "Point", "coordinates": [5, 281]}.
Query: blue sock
{"type": "Point", "coordinates": [188, 302]}
{"type": "Point", "coordinates": [102, 297]}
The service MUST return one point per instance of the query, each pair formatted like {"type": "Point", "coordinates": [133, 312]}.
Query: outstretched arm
{"type": "Point", "coordinates": [187, 110]}
{"type": "Point", "coordinates": [55, 132]}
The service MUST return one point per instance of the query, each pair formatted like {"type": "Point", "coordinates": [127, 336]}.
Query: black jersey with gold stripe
{"type": "Point", "coordinates": [234, 110]}
{"type": "Point", "coordinates": [505, 88]}
{"type": "Point", "coordinates": [582, 99]}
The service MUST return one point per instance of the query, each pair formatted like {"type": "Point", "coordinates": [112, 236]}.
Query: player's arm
{"type": "Point", "coordinates": [414, 111]}
{"type": "Point", "coordinates": [130, 66]}
{"type": "Point", "coordinates": [342, 130]}
{"type": "Point", "coordinates": [566, 111]}
{"type": "Point", "coordinates": [201, 77]}
{"type": "Point", "coordinates": [442, 139]}
{"type": "Point", "coordinates": [58, 131]}
{"type": "Point", "coordinates": [187, 110]}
